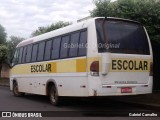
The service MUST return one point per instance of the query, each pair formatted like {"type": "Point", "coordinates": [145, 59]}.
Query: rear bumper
{"type": "Point", "coordinates": [115, 90]}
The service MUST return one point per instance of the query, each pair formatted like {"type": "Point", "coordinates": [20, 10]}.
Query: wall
{"type": "Point", "coordinates": [5, 71]}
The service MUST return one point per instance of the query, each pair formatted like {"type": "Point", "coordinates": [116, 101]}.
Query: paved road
{"type": "Point", "coordinates": [41, 103]}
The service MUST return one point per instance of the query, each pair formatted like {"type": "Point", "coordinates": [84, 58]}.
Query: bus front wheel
{"type": "Point", "coordinates": [16, 91]}
{"type": "Point", "coordinates": [54, 98]}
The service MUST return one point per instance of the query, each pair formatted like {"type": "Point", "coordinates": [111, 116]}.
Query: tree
{"type": "Point", "coordinates": [146, 12]}
{"type": "Point", "coordinates": [3, 56]}
{"type": "Point", "coordinates": [12, 43]}
{"type": "Point", "coordinates": [49, 28]}
{"type": "Point", "coordinates": [3, 35]}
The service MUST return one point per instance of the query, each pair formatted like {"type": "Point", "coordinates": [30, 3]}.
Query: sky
{"type": "Point", "coordinates": [22, 17]}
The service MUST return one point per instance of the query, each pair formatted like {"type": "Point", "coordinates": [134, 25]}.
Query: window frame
{"type": "Point", "coordinates": [67, 48]}
{"type": "Point", "coordinates": [38, 51]}
{"type": "Point", "coordinates": [15, 61]}
{"type": "Point", "coordinates": [19, 62]}
{"type": "Point", "coordinates": [51, 58]}
{"type": "Point", "coordinates": [79, 32]}
{"type": "Point", "coordinates": [50, 39]}
{"type": "Point", "coordinates": [86, 42]}
{"type": "Point", "coordinates": [23, 55]}
{"type": "Point", "coordinates": [27, 53]}
{"type": "Point", "coordinates": [124, 50]}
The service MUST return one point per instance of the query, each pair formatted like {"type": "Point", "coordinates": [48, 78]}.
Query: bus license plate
{"type": "Point", "coordinates": [126, 90]}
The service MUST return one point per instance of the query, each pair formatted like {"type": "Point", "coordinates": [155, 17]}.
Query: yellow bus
{"type": "Point", "coordinates": [96, 57]}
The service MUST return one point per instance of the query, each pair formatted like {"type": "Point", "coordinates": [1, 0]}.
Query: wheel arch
{"type": "Point", "coordinates": [49, 84]}
{"type": "Point", "coordinates": [14, 81]}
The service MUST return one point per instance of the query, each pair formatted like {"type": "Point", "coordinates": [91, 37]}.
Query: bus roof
{"type": "Point", "coordinates": [61, 31]}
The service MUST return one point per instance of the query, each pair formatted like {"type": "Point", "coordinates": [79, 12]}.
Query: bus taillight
{"type": "Point", "coordinates": [94, 68]}
{"type": "Point", "coordinates": [151, 69]}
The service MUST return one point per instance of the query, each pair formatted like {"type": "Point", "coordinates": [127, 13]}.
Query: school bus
{"type": "Point", "coordinates": [96, 57]}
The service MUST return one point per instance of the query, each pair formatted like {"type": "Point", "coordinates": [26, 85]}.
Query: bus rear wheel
{"type": "Point", "coordinates": [16, 91]}
{"type": "Point", "coordinates": [54, 98]}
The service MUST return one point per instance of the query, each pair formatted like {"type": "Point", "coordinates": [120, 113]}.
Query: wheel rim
{"type": "Point", "coordinates": [53, 95]}
{"type": "Point", "coordinates": [16, 90]}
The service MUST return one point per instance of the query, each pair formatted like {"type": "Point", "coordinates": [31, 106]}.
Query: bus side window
{"type": "Point", "coordinates": [15, 57]}
{"type": "Point", "coordinates": [20, 55]}
{"type": "Point", "coordinates": [56, 48]}
{"type": "Point", "coordinates": [34, 53]}
{"type": "Point", "coordinates": [41, 51]}
{"type": "Point", "coordinates": [64, 47]}
{"type": "Point", "coordinates": [73, 51]}
{"type": "Point", "coordinates": [48, 47]}
{"type": "Point", "coordinates": [28, 54]}
{"type": "Point", "coordinates": [83, 43]}
{"type": "Point", "coordinates": [24, 54]}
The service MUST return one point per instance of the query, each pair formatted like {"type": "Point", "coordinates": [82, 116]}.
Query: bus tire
{"type": "Point", "coordinates": [16, 91]}
{"type": "Point", "coordinates": [53, 95]}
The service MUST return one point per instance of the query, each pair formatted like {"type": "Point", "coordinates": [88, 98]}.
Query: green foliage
{"type": "Point", "coordinates": [146, 12]}
{"type": "Point", "coordinates": [3, 53]}
{"type": "Point", "coordinates": [3, 35]}
{"type": "Point", "coordinates": [12, 43]}
{"type": "Point", "coordinates": [49, 28]}
{"type": "Point", "coordinates": [3, 56]}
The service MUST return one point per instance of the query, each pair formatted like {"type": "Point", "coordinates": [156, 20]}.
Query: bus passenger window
{"type": "Point", "coordinates": [41, 51]}
{"type": "Point", "coordinates": [64, 47]}
{"type": "Point", "coordinates": [83, 43]}
{"type": "Point", "coordinates": [15, 58]}
{"type": "Point", "coordinates": [24, 54]}
{"type": "Point", "coordinates": [20, 55]}
{"type": "Point", "coordinates": [34, 53]}
{"type": "Point", "coordinates": [28, 54]}
{"type": "Point", "coordinates": [56, 48]}
{"type": "Point", "coordinates": [48, 50]}
{"type": "Point", "coordinates": [74, 45]}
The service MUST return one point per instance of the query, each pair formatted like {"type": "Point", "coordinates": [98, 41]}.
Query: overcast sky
{"type": "Point", "coordinates": [21, 17]}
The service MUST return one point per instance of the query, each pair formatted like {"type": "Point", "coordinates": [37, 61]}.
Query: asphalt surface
{"type": "Point", "coordinates": [80, 106]}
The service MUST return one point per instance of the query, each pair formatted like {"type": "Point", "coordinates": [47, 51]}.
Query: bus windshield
{"type": "Point", "coordinates": [120, 36]}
